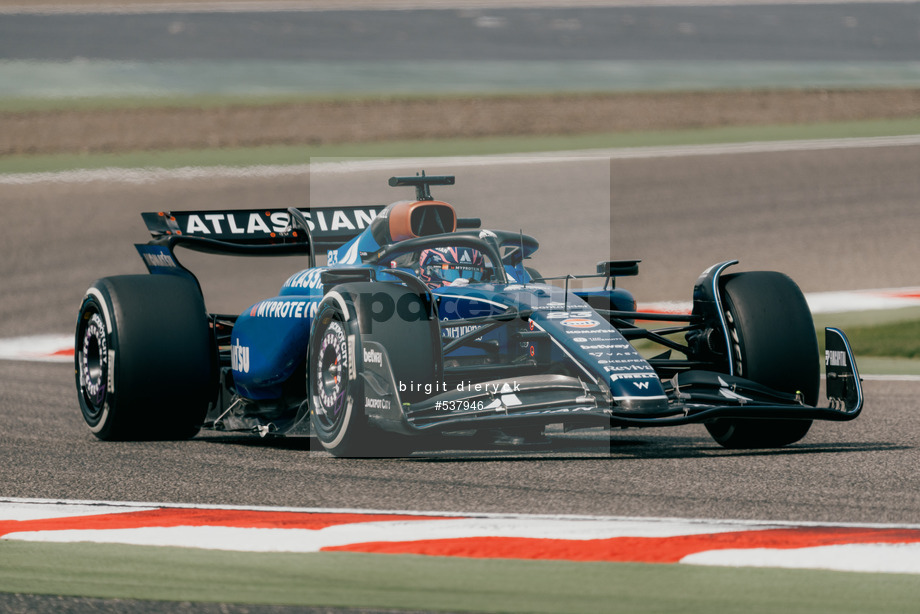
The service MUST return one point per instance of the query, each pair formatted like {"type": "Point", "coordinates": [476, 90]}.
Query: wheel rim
{"type": "Point", "coordinates": [331, 375]}
{"type": "Point", "coordinates": [93, 366]}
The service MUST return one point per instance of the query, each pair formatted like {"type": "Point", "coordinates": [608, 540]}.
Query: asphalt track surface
{"type": "Point", "coordinates": [833, 219]}
{"type": "Point", "coordinates": [470, 48]}
{"type": "Point", "coordinates": [877, 32]}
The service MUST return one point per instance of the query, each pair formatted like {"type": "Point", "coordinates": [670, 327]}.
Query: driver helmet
{"type": "Point", "coordinates": [444, 266]}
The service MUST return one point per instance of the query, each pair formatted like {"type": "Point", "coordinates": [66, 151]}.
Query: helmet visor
{"type": "Point", "coordinates": [452, 272]}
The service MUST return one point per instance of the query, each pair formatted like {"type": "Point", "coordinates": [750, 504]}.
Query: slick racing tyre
{"type": "Point", "coordinates": [349, 316]}
{"type": "Point", "coordinates": [144, 359]}
{"type": "Point", "coordinates": [773, 343]}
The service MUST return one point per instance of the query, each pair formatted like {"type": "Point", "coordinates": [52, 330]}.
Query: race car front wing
{"type": "Point", "coordinates": [693, 396]}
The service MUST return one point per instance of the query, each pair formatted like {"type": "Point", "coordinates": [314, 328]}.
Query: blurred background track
{"type": "Point", "coordinates": [168, 75]}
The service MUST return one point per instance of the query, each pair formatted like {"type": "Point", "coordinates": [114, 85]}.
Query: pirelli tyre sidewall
{"type": "Point", "coordinates": [773, 342]}
{"type": "Point", "coordinates": [351, 314]}
{"type": "Point", "coordinates": [335, 390]}
{"type": "Point", "coordinates": [144, 359]}
{"type": "Point", "coordinates": [93, 362]}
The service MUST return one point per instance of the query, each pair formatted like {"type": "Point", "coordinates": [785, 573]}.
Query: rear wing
{"type": "Point", "coordinates": [249, 232]}
{"type": "Point", "coordinates": [320, 227]}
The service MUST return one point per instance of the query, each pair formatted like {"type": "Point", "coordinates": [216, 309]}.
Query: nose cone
{"type": "Point", "coordinates": [644, 406]}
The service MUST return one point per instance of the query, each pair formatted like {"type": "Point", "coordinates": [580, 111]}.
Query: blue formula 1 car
{"type": "Point", "coordinates": [423, 322]}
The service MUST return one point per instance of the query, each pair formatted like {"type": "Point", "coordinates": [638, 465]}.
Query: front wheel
{"type": "Point", "coordinates": [335, 390]}
{"type": "Point", "coordinates": [395, 318]}
{"type": "Point", "coordinates": [773, 342]}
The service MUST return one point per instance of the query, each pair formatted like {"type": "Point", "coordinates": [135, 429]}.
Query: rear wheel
{"type": "Point", "coordinates": [773, 343]}
{"type": "Point", "coordinates": [144, 360]}
{"type": "Point", "coordinates": [350, 315]}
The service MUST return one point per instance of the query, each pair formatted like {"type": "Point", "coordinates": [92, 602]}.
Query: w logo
{"type": "Point", "coordinates": [641, 385]}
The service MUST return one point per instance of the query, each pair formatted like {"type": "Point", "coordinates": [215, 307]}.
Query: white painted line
{"type": "Point", "coordinates": [890, 378]}
{"type": "Point", "coordinates": [26, 509]}
{"type": "Point", "coordinates": [42, 348]}
{"type": "Point", "coordinates": [873, 558]}
{"type": "Point", "coordinates": [824, 302]}
{"type": "Point", "coordinates": [154, 175]}
{"type": "Point", "coordinates": [863, 300]}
